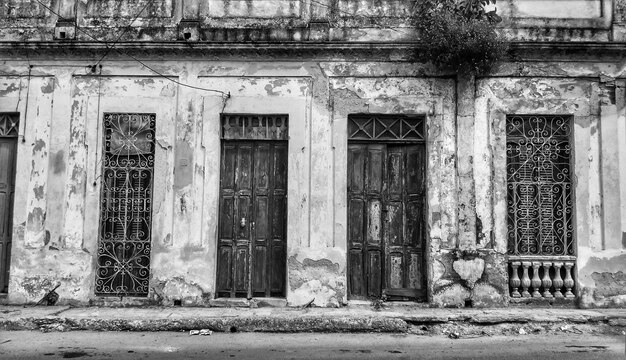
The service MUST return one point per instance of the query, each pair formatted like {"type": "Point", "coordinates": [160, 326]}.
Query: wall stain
{"type": "Point", "coordinates": [58, 162]}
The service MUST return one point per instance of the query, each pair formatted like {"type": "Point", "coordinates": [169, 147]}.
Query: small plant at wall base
{"type": "Point", "coordinates": [459, 35]}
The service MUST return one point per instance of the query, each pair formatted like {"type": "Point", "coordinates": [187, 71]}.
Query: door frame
{"type": "Point", "coordinates": [277, 135]}
{"type": "Point", "coordinates": [423, 293]}
{"type": "Point", "coordinates": [5, 251]}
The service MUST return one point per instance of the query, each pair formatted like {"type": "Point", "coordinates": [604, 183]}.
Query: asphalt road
{"type": "Point", "coordinates": [177, 345]}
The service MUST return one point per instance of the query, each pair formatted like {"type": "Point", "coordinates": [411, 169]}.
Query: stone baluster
{"type": "Point", "coordinates": [514, 281]}
{"type": "Point", "coordinates": [536, 280]}
{"type": "Point", "coordinates": [546, 281]}
{"type": "Point", "coordinates": [569, 281]}
{"type": "Point", "coordinates": [525, 282]}
{"type": "Point", "coordinates": [557, 282]}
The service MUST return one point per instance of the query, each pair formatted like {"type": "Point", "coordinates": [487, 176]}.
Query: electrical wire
{"type": "Point", "coordinates": [225, 94]}
{"type": "Point", "coordinates": [30, 68]}
{"type": "Point", "coordinates": [124, 32]}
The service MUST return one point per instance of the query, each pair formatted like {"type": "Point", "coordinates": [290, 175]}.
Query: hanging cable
{"type": "Point", "coordinates": [30, 68]}
{"type": "Point", "coordinates": [98, 160]}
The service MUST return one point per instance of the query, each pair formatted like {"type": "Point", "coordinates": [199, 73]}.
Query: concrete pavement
{"type": "Point", "coordinates": [21, 345]}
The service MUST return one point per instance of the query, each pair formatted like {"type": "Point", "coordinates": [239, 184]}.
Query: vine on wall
{"type": "Point", "coordinates": [459, 35]}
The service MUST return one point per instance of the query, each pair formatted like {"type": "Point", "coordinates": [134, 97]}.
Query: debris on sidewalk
{"type": "Point", "coordinates": [204, 332]}
{"type": "Point", "coordinates": [522, 331]}
{"type": "Point", "coordinates": [50, 298]}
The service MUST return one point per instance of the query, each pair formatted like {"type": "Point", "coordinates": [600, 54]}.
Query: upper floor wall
{"type": "Point", "coordinates": [289, 20]}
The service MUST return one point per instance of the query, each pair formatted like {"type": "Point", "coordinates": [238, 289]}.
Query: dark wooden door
{"type": "Point", "coordinates": [386, 192]}
{"type": "Point", "coordinates": [8, 152]}
{"type": "Point", "coordinates": [252, 225]}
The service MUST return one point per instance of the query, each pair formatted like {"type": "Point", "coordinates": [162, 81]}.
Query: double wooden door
{"type": "Point", "coordinates": [8, 148]}
{"type": "Point", "coordinates": [386, 200]}
{"type": "Point", "coordinates": [252, 226]}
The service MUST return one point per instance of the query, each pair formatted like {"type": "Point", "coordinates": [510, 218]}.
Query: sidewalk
{"type": "Point", "coordinates": [399, 319]}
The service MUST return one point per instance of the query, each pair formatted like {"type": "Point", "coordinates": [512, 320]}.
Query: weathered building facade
{"type": "Point", "coordinates": [226, 152]}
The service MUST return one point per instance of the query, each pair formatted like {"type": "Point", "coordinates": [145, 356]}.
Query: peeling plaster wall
{"type": "Point", "coordinates": [598, 163]}
{"type": "Point", "coordinates": [290, 20]}
{"type": "Point", "coordinates": [57, 199]}
{"type": "Point", "coordinates": [57, 208]}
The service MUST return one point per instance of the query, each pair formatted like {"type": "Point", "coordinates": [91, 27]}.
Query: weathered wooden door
{"type": "Point", "coordinates": [386, 220]}
{"type": "Point", "coordinates": [8, 155]}
{"type": "Point", "coordinates": [252, 224]}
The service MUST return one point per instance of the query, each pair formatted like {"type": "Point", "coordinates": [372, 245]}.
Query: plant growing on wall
{"type": "Point", "coordinates": [459, 35]}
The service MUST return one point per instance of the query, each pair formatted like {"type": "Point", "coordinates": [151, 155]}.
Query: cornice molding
{"type": "Point", "coordinates": [397, 51]}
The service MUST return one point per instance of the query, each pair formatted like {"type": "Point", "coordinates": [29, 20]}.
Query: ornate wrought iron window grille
{"type": "Point", "coordinates": [539, 185]}
{"type": "Point", "coordinates": [539, 200]}
{"type": "Point", "coordinates": [255, 127]}
{"type": "Point", "coordinates": [9, 124]}
{"type": "Point", "coordinates": [386, 127]}
{"type": "Point", "coordinates": [126, 205]}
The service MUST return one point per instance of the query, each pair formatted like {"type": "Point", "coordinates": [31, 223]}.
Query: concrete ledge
{"type": "Point", "coordinates": [272, 319]}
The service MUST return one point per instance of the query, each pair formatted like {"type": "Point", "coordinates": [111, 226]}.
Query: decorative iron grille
{"type": "Point", "coordinates": [539, 186]}
{"type": "Point", "coordinates": [386, 127]}
{"type": "Point", "coordinates": [9, 124]}
{"type": "Point", "coordinates": [255, 127]}
{"type": "Point", "coordinates": [126, 205]}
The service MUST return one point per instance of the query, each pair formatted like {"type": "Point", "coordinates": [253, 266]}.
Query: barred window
{"type": "Point", "coordinates": [539, 188]}
{"type": "Point", "coordinates": [126, 205]}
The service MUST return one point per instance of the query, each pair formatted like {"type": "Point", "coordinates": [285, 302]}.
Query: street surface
{"type": "Point", "coordinates": [180, 345]}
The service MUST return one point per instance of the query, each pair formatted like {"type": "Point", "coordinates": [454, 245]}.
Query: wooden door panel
{"type": "Point", "coordinates": [415, 279]}
{"type": "Point", "coordinates": [386, 220]}
{"type": "Point", "coordinates": [259, 272]}
{"type": "Point", "coordinates": [355, 273]}
{"type": "Point", "coordinates": [243, 171]}
{"type": "Point", "coordinates": [374, 222]}
{"type": "Point", "coordinates": [395, 171]}
{"type": "Point", "coordinates": [279, 167]}
{"type": "Point", "coordinates": [375, 170]}
{"type": "Point", "coordinates": [261, 219]}
{"type": "Point", "coordinates": [241, 269]}
{"type": "Point", "coordinates": [394, 230]}
{"type": "Point", "coordinates": [229, 162]}
{"type": "Point", "coordinates": [4, 211]}
{"type": "Point", "coordinates": [243, 212]}
{"type": "Point", "coordinates": [8, 155]}
{"type": "Point", "coordinates": [396, 271]}
{"type": "Point", "coordinates": [356, 169]}
{"type": "Point", "coordinates": [278, 266]}
{"type": "Point", "coordinates": [227, 218]}
{"type": "Point", "coordinates": [224, 270]}
{"type": "Point", "coordinates": [278, 217]}
{"type": "Point", "coordinates": [355, 214]}
{"type": "Point", "coordinates": [374, 278]}
{"type": "Point", "coordinates": [262, 160]}
{"type": "Point", "coordinates": [416, 170]}
{"type": "Point", "coordinates": [254, 190]}
{"type": "Point", "coordinates": [414, 224]}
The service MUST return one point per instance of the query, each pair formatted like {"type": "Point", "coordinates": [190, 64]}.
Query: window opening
{"type": "Point", "coordinates": [539, 198]}
{"type": "Point", "coordinates": [126, 205]}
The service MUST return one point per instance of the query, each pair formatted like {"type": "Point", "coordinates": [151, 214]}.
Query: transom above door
{"type": "Point", "coordinates": [252, 239]}
{"type": "Point", "coordinates": [386, 207]}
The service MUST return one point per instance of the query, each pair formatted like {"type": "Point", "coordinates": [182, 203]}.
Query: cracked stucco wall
{"type": "Point", "coordinates": [598, 160]}
{"type": "Point", "coordinates": [57, 203]}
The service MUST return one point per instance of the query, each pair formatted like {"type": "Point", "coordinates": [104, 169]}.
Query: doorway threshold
{"type": "Point", "coordinates": [388, 305]}
{"type": "Point", "coordinates": [251, 303]}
